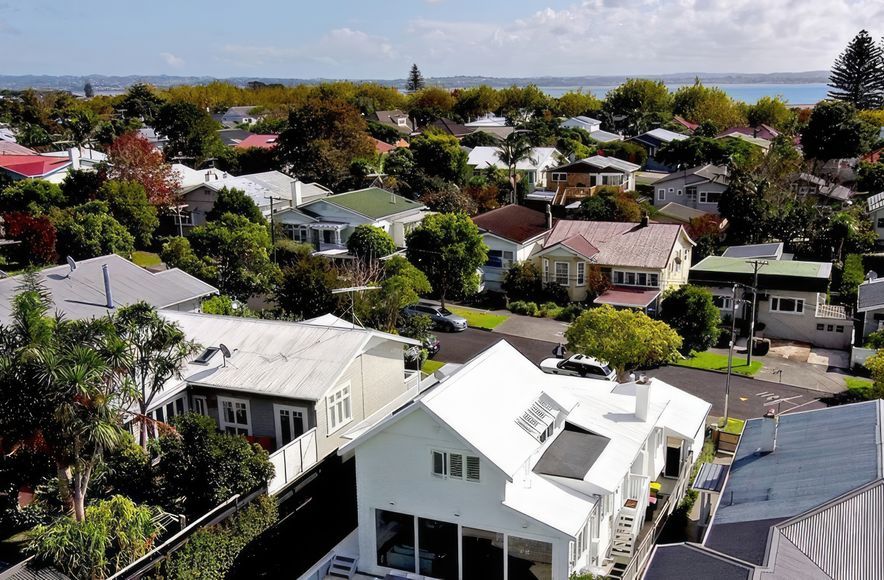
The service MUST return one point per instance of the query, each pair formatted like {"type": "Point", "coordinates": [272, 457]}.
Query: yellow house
{"type": "Point", "coordinates": [640, 259]}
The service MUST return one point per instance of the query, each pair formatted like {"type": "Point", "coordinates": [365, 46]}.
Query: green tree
{"type": "Point", "coordinates": [224, 306]}
{"type": "Point", "coordinates": [744, 205]}
{"type": "Point", "coordinates": [695, 151]}
{"type": "Point", "coordinates": [89, 230]}
{"type": "Point", "coordinates": [130, 206]}
{"type": "Point", "coordinates": [699, 103]}
{"type": "Point", "coordinates": [140, 103]}
{"type": "Point", "coordinates": [852, 276]}
{"type": "Point", "coordinates": [449, 250]}
{"type": "Point", "coordinates": [834, 132]}
{"type": "Point", "coordinates": [370, 243]}
{"type": "Point", "coordinates": [235, 201]}
{"type": "Point", "coordinates": [857, 76]}
{"type": "Point", "coordinates": [511, 151]}
{"type": "Point", "coordinates": [34, 196]}
{"type": "Point", "coordinates": [88, 90]}
{"type": "Point", "coordinates": [523, 281]}
{"type": "Point", "coordinates": [429, 104]}
{"type": "Point", "coordinates": [875, 364]}
{"type": "Point", "coordinates": [626, 339]}
{"type": "Point", "coordinates": [519, 104]}
{"type": "Point", "coordinates": [415, 80]}
{"type": "Point", "coordinates": [771, 111]}
{"type": "Point", "coordinates": [689, 310]}
{"type": "Point", "coordinates": [638, 104]}
{"type": "Point", "coordinates": [610, 205]}
{"type": "Point", "coordinates": [304, 289]}
{"type": "Point", "coordinates": [480, 139]}
{"type": "Point", "coordinates": [202, 467]}
{"type": "Point", "coordinates": [157, 351]}
{"type": "Point", "coordinates": [440, 155]}
{"type": "Point", "coordinates": [81, 185]}
{"type": "Point", "coordinates": [575, 103]}
{"type": "Point", "coordinates": [871, 177]}
{"type": "Point", "coordinates": [473, 102]}
{"type": "Point", "coordinates": [190, 130]}
{"type": "Point", "coordinates": [116, 533]}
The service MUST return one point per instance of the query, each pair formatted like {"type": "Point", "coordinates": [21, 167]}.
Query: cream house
{"type": "Point", "coordinates": [641, 260]}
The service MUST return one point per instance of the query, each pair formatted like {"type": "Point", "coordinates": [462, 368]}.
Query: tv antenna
{"type": "Point", "coordinates": [72, 264]}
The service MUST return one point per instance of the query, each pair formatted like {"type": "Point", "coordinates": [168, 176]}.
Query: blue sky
{"type": "Point", "coordinates": [363, 39]}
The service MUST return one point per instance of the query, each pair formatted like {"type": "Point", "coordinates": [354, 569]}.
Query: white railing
{"type": "Point", "coordinates": [292, 460]}
{"type": "Point", "coordinates": [412, 379]}
{"type": "Point", "coordinates": [638, 487]}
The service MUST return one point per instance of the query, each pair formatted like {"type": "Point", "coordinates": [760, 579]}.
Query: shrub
{"type": "Point", "coordinates": [550, 310]}
{"type": "Point", "coordinates": [211, 552]}
{"type": "Point", "coordinates": [36, 237]}
{"type": "Point", "coordinates": [525, 308]}
{"type": "Point", "coordinates": [875, 339]}
{"type": "Point", "coordinates": [523, 281]}
{"type": "Point", "coordinates": [569, 313]}
{"type": "Point", "coordinates": [556, 293]}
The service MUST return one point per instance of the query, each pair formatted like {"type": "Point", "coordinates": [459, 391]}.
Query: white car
{"type": "Point", "coordinates": [579, 365]}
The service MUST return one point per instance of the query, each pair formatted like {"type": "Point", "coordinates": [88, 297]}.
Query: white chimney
{"type": "Point", "coordinates": [768, 433]}
{"type": "Point", "coordinates": [74, 157]}
{"type": "Point", "coordinates": [297, 193]}
{"type": "Point", "coordinates": [642, 398]}
{"type": "Point", "coordinates": [208, 176]}
{"type": "Point", "coordinates": [109, 297]}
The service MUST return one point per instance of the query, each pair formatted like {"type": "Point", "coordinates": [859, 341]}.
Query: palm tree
{"type": "Point", "coordinates": [511, 151]}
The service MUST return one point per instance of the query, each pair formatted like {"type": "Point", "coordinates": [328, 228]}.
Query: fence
{"type": "Point", "coordinates": [858, 356]}
{"type": "Point", "coordinates": [292, 460]}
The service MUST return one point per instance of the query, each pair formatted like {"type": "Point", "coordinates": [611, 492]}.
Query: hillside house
{"type": "Point", "coordinates": [653, 140]}
{"type": "Point", "coordinates": [698, 188]}
{"type": "Point", "coordinates": [513, 233]}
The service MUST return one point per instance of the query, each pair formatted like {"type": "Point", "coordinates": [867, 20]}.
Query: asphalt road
{"type": "Point", "coordinates": [748, 397]}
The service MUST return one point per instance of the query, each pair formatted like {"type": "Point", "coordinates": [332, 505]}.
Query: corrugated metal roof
{"type": "Point", "coordinates": [622, 244]}
{"type": "Point", "coordinates": [818, 270]}
{"type": "Point", "coordinates": [710, 477]}
{"type": "Point", "coordinates": [81, 294]}
{"type": "Point", "coordinates": [373, 202]}
{"type": "Point", "coordinates": [693, 562]}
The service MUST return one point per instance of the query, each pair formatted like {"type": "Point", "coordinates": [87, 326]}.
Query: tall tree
{"type": "Point", "coordinates": [130, 206]}
{"type": "Point", "coordinates": [235, 201]}
{"type": "Point", "coordinates": [370, 243]}
{"type": "Point", "coordinates": [415, 80]}
{"type": "Point", "coordinates": [835, 132]}
{"type": "Point", "coordinates": [689, 310]}
{"type": "Point", "coordinates": [745, 207]}
{"type": "Point", "coordinates": [88, 90]}
{"type": "Point", "coordinates": [637, 105]}
{"type": "Point", "coordinates": [858, 73]}
{"type": "Point", "coordinates": [304, 289]}
{"type": "Point", "coordinates": [191, 132]}
{"type": "Point", "coordinates": [132, 158]}
{"type": "Point", "coordinates": [439, 155]}
{"type": "Point", "coordinates": [513, 150]}
{"type": "Point", "coordinates": [449, 250]}
{"type": "Point", "coordinates": [140, 103]}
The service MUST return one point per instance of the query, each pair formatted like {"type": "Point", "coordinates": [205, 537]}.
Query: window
{"type": "Point", "coordinates": [661, 194]}
{"type": "Point", "coordinates": [298, 233]}
{"type": "Point", "coordinates": [234, 416]}
{"type": "Point", "coordinates": [709, 196]}
{"type": "Point", "coordinates": [671, 190]}
{"type": "Point", "coordinates": [184, 218]}
{"type": "Point", "coordinates": [395, 540]}
{"type": "Point", "coordinates": [820, 326]}
{"type": "Point", "coordinates": [881, 222]}
{"type": "Point", "coordinates": [839, 329]}
{"type": "Point", "coordinates": [581, 273]}
{"type": "Point", "coordinates": [525, 554]}
{"type": "Point", "coordinates": [199, 405]}
{"type": "Point", "coordinates": [170, 409]}
{"type": "Point", "coordinates": [722, 302]}
{"type": "Point", "coordinates": [787, 305]}
{"type": "Point", "coordinates": [563, 273]}
{"type": "Point", "coordinates": [545, 270]}
{"type": "Point", "coordinates": [612, 179]}
{"type": "Point", "coordinates": [339, 408]}
{"type": "Point", "coordinates": [482, 554]}
{"type": "Point", "coordinates": [401, 121]}
{"type": "Point", "coordinates": [636, 279]}
{"type": "Point", "coordinates": [448, 465]}
{"type": "Point", "coordinates": [560, 177]}
{"type": "Point", "coordinates": [678, 192]}
{"type": "Point", "coordinates": [830, 327]}
{"type": "Point", "coordinates": [691, 193]}
{"type": "Point", "coordinates": [291, 422]}
{"type": "Point", "coordinates": [500, 259]}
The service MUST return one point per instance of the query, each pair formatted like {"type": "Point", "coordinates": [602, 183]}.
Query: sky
{"type": "Point", "coordinates": [361, 39]}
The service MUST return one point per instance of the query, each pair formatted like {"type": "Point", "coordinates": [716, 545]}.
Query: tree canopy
{"type": "Point", "coordinates": [835, 132]}
{"type": "Point", "coordinates": [369, 243]}
{"type": "Point", "coordinates": [857, 76]}
{"type": "Point", "coordinates": [689, 310]}
{"type": "Point", "coordinates": [235, 201]}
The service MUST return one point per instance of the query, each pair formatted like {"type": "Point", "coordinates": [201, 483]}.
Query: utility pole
{"type": "Point", "coordinates": [730, 353]}
{"type": "Point", "coordinates": [756, 266]}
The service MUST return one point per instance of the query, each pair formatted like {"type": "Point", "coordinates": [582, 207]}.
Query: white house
{"type": "Point", "coordinates": [593, 127]}
{"type": "Point", "coordinates": [534, 168]}
{"type": "Point", "coordinates": [503, 471]}
{"type": "Point", "coordinates": [875, 207]}
{"type": "Point", "coordinates": [513, 233]}
{"type": "Point", "coordinates": [239, 115]}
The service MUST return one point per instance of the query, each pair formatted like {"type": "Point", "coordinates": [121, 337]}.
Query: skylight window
{"type": "Point", "coordinates": [206, 355]}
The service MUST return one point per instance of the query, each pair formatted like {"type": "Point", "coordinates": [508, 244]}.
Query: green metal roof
{"type": "Point", "coordinates": [373, 202]}
{"type": "Point", "coordinates": [773, 267]}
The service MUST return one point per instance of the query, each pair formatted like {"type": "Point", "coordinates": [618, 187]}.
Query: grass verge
{"type": "Point", "coordinates": [479, 319]}
{"type": "Point", "coordinates": [711, 361]}
{"type": "Point", "coordinates": [734, 426]}
{"type": "Point", "coordinates": [430, 366]}
{"type": "Point", "coordinates": [146, 259]}
{"type": "Point", "coordinates": [859, 386]}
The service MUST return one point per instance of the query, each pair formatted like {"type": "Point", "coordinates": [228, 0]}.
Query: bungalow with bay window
{"type": "Point", "coordinates": [503, 471]}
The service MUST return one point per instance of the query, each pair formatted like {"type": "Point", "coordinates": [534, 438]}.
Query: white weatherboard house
{"type": "Point", "coordinates": [503, 471]}
{"type": "Point", "coordinates": [534, 167]}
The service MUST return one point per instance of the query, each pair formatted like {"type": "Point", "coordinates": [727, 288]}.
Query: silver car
{"type": "Point", "coordinates": [579, 365]}
{"type": "Point", "coordinates": [442, 318]}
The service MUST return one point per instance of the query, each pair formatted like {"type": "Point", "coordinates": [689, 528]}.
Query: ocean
{"type": "Point", "coordinates": [794, 94]}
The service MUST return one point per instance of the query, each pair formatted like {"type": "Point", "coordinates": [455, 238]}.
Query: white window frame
{"type": "Point", "coordinates": [183, 218]}
{"type": "Point", "coordinates": [277, 421]}
{"type": "Point", "coordinates": [558, 176]}
{"type": "Point", "coordinates": [506, 257]}
{"type": "Point", "coordinates": [704, 196]}
{"type": "Point", "coordinates": [567, 273]}
{"type": "Point", "coordinates": [581, 273]}
{"type": "Point", "coordinates": [338, 416]}
{"type": "Point", "coordinates": [465, 460]}
{"type": "Point", "coordinates": [725, 300]}
{"type": "Point", "coordinates": [171, 404]}
{"type": "Point", "coordinates": [622, 277]}
{"type": "Point", "coordinates": [546, 269]}
{"type": "Point", "coordinates": [661, 194]}
{"type": "Point", "coordinates": [200, 401]}
{"type": "Point", "coordinates": [678, 192]}
{"type": "Point", "coordinates": [796, 312]}
{"type": "Point", "coordinates": [222, 415]}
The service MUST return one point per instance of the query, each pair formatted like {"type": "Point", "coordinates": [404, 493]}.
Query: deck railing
{"type": "Point", "coordinates": [292, 460]}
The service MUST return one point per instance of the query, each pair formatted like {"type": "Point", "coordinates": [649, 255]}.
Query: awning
{"type": "Point", "coordinates": [628, 297]}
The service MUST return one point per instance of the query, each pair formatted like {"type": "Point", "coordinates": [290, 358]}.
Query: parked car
{"type": "Point", "coordinates": [579, 365]}
{"type": "Point", "coordinates": [442, 318]}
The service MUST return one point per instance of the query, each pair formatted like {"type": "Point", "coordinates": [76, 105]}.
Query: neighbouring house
{"type": "Point", "coordinates": [395, 119]}
{"type": "Point", "coordinates": [791, 297]}
{"type": "Point", "coordinates": [759, 142]}
{"type": "Point", "coordinates": [580, 179]}
{"type": "Point", "coordinates": [875, 208]}
{"type": "Point", "coordinates": [502, 471]}
{"type": "Point", "coordinates": [593, 127]}
{"type": "Point", "coordinates": [328, 222]}
{"type": "Point", "coordinates": [534, 168]}
{"type": "Point", "coordinates": [382, 147]}
{"type": "Point", "coordinates": [805, 184]}
{"type": "Point", "coordinates": [449, 127]}
{"type": "Point", "coordinates": [240, 116]}
{"type": "Point", "coordinates": [293, 387]}
{"type": "Point", "coordinates": [491, 124]}
{"type": "Point", "coordinates": [233, 137]}
{"type": "Point", "coordinates": [762, 131]}
{"type": "Point", "coordinates": [675, 213]}
{"type": "Point", "coordinates": [155, 139]}
{"type": "Point", "coordinates": [768, 251]}
{"type": "Point", "coordinates": [13, 148]}
{"type": "Point", "coordinates": [698, 188]}
{"type": "Point", "coordinates": [653, 140]}
{"type": "Point", "coordinates": [689, 125]}
{"type": "Point", "coordinates": [802, 500]}
{"type": "Point", "coordinates": [53, 166]}
{"type": "Point", "coordinates": [258, 141]}
{"type": "Point", "coordinates": [640, 260]}
{"type": "Point", "coordinates": [869, 307]}
{"type": "Point", "coordinates": [513, 233]}
{"type": "Point", "coordinates": [99, 285]}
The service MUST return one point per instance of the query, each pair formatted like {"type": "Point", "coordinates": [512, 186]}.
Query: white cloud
{"type": "Point", "coordinates": [172, 60]}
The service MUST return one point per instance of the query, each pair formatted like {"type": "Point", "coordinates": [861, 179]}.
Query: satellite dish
{"type": "Point", "coordinates": [224, 350]}
{"type": "Point", "coordinates": [72, 263]}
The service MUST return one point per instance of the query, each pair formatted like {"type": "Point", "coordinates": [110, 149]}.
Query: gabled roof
{"type": "Point", "coordinates": [258, 141]}
{"type": "Point", "coordinates": [34, 166]}
{"type": "Point", "coordinates": [233, 137]}
{"type": "Point", "coordinates": [13, 148]}
{"type": "Point", "coordinates": [389, 118]}
{"type": "Point", "coordinates": [373, 202]}
{"type": "Point", "coordinates": [762, 132]}
{"type": "Point", "coordinates": [689, 125]}
{"type": "Point", "coordinates": [299, 360]}
{"type": "Point", "coordinates": [581, 122]}
{"type": "Point", "coordinates": [826, 188]}
{"type": "Point", "coordinates": [605, 136]}
{"type": "Point", "coordinates": [258, 186]}
{"type": "Point", "coordinates": [80, 294]}
{"type": "Point", "coordinates": [516, 223]}
{"type": "Point", "coordinates": [681, 213]}
{"type": "Point", "coordinates": [240, 111]}
{"type": "Point", "coordinates": [599, 162]}
{"type": "Point", "coordinates": [657, 136]}
{"type": "Point", "coordinates": [452, 127]}
{"type": "Point", "coordinates": [688, 561]}
{"type": "Point", "coordinates": [486, 156]}
{"type": "Point", "coordinates": [382, 146]}
{"type": "Point", "coordinates": [619, 244]}
{"type": "Point", "coordinates": [696, 175]}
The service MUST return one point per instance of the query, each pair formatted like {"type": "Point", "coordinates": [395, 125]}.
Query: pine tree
{"type": "Point", "coordinates": [858, 74]}
{"type": "Point", "coordinates": [415, 79]}
{"type": "Point", "coordinates": [88, 90]}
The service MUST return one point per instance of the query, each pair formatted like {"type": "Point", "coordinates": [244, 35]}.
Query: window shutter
{"type": "Point", "coordinates": [472, 468]}
{"type": "Point", "coordinates": [455, 468]}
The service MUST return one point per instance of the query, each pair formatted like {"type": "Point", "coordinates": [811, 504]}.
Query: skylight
{"type": "Point", "coordinates": [206, 355]}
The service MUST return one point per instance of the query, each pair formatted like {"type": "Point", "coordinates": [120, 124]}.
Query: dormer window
{"type": "Point", "coordinates": [401, 121]}
{"type": "Point", "coordinates": [540, 419]}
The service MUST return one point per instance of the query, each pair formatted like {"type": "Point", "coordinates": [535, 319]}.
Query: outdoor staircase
{"type": "Point", "coordinates": [617, 571]}
{"type": "Point", "coordinates": [342, 567]}
{"type": "Point", "coordinates": [624, 531]}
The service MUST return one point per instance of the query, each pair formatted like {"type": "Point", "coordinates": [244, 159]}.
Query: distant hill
{"type": "Point", "coordinates": [112, 84]}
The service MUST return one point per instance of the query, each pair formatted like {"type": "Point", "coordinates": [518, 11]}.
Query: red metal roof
{"type": "Point", "coordinates": [628, 297]}
{"type": "Point", "coordinates": [516, 223]}
{"type": "Point", "coordinates": [581, 245]}
{"type": "Point", "coordinates": [382, 146]}
{"type": "Point", "coordinates": [259, 141]}
{"type": "Point", "coordinates": [33, 165]}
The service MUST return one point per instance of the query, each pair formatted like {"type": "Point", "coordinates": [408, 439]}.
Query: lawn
{"type": "Point", "coordinates": [146, 259]}
{"type": "Point", "coordinates": [479, 319]}
{"type": "Point", "coordinates": [858, 386]}
{"type": "Point", "coordinates": [711, 361]}
{"type": "Point", "coordinates": [430, 366]}
{"type": "Point", "coordinates": [734, 426]}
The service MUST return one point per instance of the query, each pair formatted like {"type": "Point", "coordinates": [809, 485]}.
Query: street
{"type": "Point", "coordinates": [748, 397]}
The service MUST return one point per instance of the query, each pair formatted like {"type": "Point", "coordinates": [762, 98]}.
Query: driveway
{"type": "Point", "coordinates": [800, 366]}
{"type": "Point", "coordinates": [545, 329]}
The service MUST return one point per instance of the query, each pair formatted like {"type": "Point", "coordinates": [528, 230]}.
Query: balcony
{"type": "Point", "coordinates": [293, 459]}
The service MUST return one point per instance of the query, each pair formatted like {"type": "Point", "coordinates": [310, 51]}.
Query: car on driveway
{"type": "Point", "coordinates": [579, 365]}
{"type": "Point", "coordinates": [443, 319]}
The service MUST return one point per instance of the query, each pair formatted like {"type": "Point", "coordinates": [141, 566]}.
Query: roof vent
{"type": "Point", "coordinates": [540, 418]}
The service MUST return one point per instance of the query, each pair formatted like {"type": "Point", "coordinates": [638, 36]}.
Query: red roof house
{"type": "Point", "coordinates": [258, 141]}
